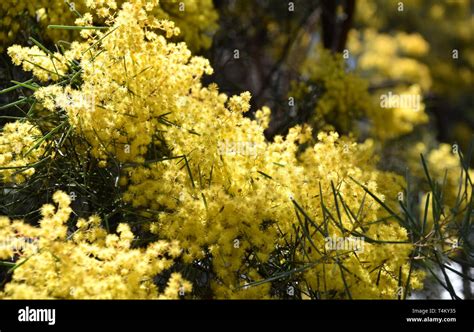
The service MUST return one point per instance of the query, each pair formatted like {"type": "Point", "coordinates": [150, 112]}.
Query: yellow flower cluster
{"type": "Point", "coordinates": [446, 171]}
{"type": "Point", "coordinates": [135, 84]}
{"type": "Point", "coordinates": [89, 263]}
{"type": "Point", "coordinates": [18, 151]}
{"type": "Point", "coordinates": [391, 57]}
{"type": "Point", "coordinates": [20, 15]}
{"type": "Point", "coordinates": [392, 60]}
{"type": "Point", "coordinates": [45, 67]}
{"type": "Point", "coordinates": [445, 25]}
{"type": "Point", "coordinates": [227, 213]}
{"type": "Point", "coordinates": [344, 97]}
{"type": "Point", "coordinates": [344, 159]}
{"type": "Point", "coordinates": [196, 19]}
{"type": "Point", "coordinates": [221, 189]}
{"type": "Point", "coordinates": [400, 111]}
{"type": "Point", "coordinates": [444, 166]}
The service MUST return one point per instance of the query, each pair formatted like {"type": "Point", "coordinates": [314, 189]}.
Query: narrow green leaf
{"type": "Point", "coordinates": [45, 137]}
{"type": "Point", "coordinates": [265, 175]}
{"type": "Point", "coordinates": [75, 27]}
{"type": "Point", "coordinates": [14, 87]}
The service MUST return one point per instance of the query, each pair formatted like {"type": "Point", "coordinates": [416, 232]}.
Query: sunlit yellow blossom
{"type": "Point", "coordinates": [18, 151]}
{"type": "Point", "coordinates": [195, 19]}
{"type": "Point", "coordinates": [55, 265]}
